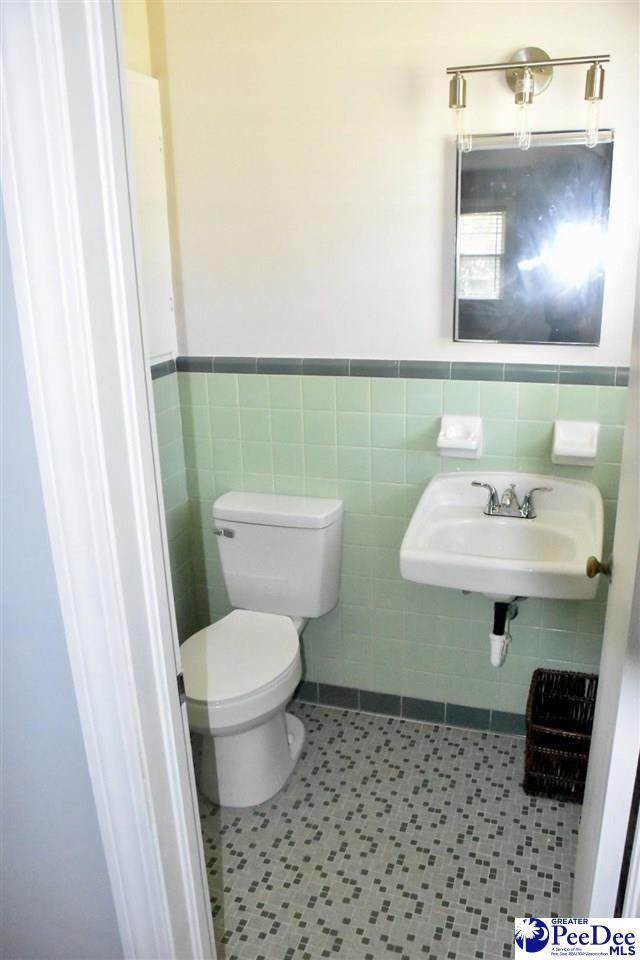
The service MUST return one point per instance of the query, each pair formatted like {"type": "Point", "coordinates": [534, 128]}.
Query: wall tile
{"type": "Point", "coordinates": [319, 393]}
{"type": "Point", "coordinates": [372, 443]}
{"type": "Point", "coordinates": [388, 430]}
{"type": "Point", "coordinates": [389, 466]}
{"type": "Point", "coordinates": [319, 427]}
{"type": "Point", "coordinates": [321, 461]}
{"type": "Point", "coordinates": [354, 463]}
{"type": "Point", "coordinates": [533, 439]}
{"type": "Point", "coordinates": [353, 394]}
{"type": "Point", "coordinates": [611, 405]}
{"type": "Point", "coordinates": [354, 429]}
{"type": "Point", "coordinates": [288, 459]}
{"type": "Point", "coordinates": [222, 388]}
{"type": "Point", "coordinates": [461, 397]}
{"type": "Point", "coordinates": [225, 423]}
{"type": "Point", "coordinates": [388, 396]}
{"type": "Point", "coordinates": [424, 397]}
{"type": "Point", "coordinates": [286, 426]}
{"type": "Point", "coordinates": [254, 424]}
{"type": "Point", "coordinates": [577, 402]}
{"type": "Point", "coordinates": [253, 390]}
{"type": "Point", "coordinates": [193, 390]}
{"type": "Point", "coordinates": [285, 393]}
{"type": "Point", "coordinates": [498, 401]}
{"type": "Point", "coordinates": [537, 401]}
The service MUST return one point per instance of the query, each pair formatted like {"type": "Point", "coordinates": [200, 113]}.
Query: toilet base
{"type": "Point", "coordinates": [247, 768]}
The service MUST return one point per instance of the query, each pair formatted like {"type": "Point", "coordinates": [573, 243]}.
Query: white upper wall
{"type": "Point", "coordinates": [135, 30]}
{"type": "Point", "coordinates": [314, 172]}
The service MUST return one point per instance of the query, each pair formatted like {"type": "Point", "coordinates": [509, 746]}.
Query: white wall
{"type": "Point", "coordinates": [56, 898]}
{"type": "Point", "coordinates": [149, 196]}
{"type": "Point", "coordinates": [313, 170]}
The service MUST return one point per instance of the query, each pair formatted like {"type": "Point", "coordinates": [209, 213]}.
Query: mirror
{"type": "Point", "coordinates": [531, 229]}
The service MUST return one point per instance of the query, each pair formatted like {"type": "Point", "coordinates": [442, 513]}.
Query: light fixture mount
{"type": "Point", "coordinates": [541, 75]}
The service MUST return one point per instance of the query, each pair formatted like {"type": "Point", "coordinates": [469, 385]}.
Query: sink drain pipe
{"type": "Point", "coordinates": [500, 638]}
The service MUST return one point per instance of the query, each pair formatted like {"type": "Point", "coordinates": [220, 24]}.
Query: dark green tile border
{"type": "Point", "coordinates": [429, 710]}
{"type": "Point", "coordinates": [411, 369]}
{"type": "Point", "coordinates": [290, 365]}
{"type": "Point", "coordinates": [473, 717]}
{"type": "Point", "coordinates": [477, 371]}
{"type": "Point", "coordinates": [425, 369]}
{"type": "Point", "coordinates": [194, 364]}
{"type": "Point", "coordinates": [410, 708]}
{"type": "Point", "coordinates": [374, 368]}
{"type": "Point", "coordinates": [332, 696]}
{"type": "Point", "coordinates": [163, 369]}
{"type": "Point", "coordinates": [388, 704]}
{"type": "Point", "coordinates": [235, 364]}
{"type": "Point", "coordinates": [320, 367]}
{"type": "Point", "coordinates": [530, 373]}
{"type": "Point", "coordinates": [595, 376]}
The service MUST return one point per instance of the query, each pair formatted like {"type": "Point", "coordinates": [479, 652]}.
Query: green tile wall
{"type": "Point", "coordinates": [372, 443]}
{"type": "Point", "coordinates": [176, 500]}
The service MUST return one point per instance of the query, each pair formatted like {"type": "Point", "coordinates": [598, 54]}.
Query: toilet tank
{"type": "Point", "coordinates": [280, 554]}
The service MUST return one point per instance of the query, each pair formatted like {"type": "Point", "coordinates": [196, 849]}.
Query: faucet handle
{"type": "Point", "coordinates": [528, 507]}
{"type": "Point", "coordinates": [494, 502]}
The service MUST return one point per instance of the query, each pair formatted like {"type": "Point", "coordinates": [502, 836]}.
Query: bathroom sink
{"type": "Point", "coordinates": [450, 542]}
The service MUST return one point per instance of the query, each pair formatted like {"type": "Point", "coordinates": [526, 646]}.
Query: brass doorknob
{"type": "Point", "coordinates": [595, 566]}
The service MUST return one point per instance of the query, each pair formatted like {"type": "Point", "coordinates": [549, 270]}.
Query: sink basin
{"type": "Point", "coordinates": [451, 543]}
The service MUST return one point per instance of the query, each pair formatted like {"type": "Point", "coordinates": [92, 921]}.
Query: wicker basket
{"type": "Point", "coordinates": [560, 712]}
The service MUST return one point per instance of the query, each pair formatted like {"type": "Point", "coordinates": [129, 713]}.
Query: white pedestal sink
{"type": "Point", "coordinates": [450, 542]}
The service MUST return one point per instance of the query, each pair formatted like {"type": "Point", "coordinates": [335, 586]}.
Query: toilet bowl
{"type": "Point", "coordinates": [240, 673]}
{"type": "Point", "coordinates": [280, 558]}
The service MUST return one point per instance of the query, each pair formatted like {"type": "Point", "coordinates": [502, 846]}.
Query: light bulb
{"type": "Point", "coordinates": [522, 131]}
{"type": "Point", "coordinates": [524, 98]}
{"type": "Point", "coordinates": [593, 94]}
{"type": "Point", "coordinates": [593, 117]}
{"type": "Point", "coordinates": [458, 102]}
{"type": "Point", "coordinates": [463, 140]}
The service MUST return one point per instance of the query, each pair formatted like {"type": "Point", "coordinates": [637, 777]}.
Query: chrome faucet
{"type": "Point", "coordinates": [508, 504]}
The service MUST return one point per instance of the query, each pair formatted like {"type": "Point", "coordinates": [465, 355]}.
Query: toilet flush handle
{"type": "Point", "coordinates": [224, 532]}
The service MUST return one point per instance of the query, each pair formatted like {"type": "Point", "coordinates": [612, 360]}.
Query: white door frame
{"type": "Point", "coordinates": [615, 743]}
{"type": "Point", "coordinates": [66, 197]}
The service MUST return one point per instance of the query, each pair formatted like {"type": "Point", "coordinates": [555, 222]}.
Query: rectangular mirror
{"type": "Point", "coordinates": [531, 229]}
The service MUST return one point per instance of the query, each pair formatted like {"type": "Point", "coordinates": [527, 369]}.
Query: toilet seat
{"type": "Point", "coordinates": [239, 668]}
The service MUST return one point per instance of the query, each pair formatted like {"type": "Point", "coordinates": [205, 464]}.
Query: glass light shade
{"type": "Point", "coordinates": [593, 118]}
{"type": "Point", "coordinates": [522, 131]}
{"type": "Point", "coordinates": [464, 140]}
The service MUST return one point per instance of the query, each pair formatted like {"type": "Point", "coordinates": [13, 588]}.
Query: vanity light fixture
{"type": "Point", "coordinates": [528, 73]}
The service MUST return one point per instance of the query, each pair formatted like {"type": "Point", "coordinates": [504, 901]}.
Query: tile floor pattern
{"type": "Point", "coordinates": [391, 839]}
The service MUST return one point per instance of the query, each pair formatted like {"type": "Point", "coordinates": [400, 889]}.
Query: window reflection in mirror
{"type": "Point", "coordinates": [531, 239]}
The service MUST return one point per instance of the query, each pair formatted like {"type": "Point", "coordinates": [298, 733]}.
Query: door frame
{"type": "Point", "coordinates": [615, 742]}
{"type": "Point", "coordinates": [72, 247]}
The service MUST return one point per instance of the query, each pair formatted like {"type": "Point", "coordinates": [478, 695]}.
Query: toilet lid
{"type": "Point", "coordinates": [238, 655]}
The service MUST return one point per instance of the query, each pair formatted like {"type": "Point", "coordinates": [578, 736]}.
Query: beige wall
{"type": "Point", "coordinates": [311, 193]}
{"type": "Point", "coordinates": [135, 34]}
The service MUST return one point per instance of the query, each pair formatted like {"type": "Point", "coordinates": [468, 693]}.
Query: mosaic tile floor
{"type": "Point", "coordinates": [391, 839]}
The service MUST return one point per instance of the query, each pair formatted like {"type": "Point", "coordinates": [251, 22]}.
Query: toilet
{"type": "Point", "coordinates": [280, 559]}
